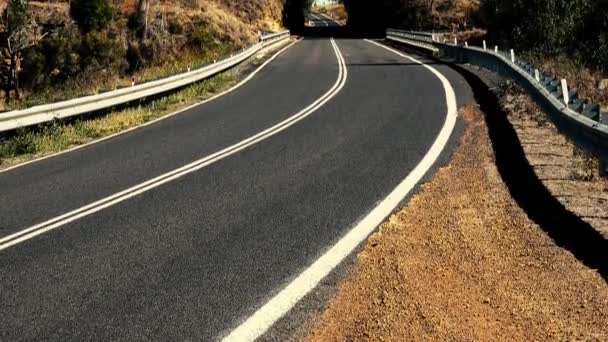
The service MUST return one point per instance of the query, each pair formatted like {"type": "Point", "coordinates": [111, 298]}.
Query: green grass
{"type": "Point", "coordinates": [56, 136]}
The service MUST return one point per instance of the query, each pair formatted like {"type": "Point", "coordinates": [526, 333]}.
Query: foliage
{"type": "Point", "coordinates": [91, 15]}
{"type": "Point", "coordinates": [577, 28]}
{"type": "Point", "coordinates": [20, 31]}
{"type": "Point", "coordinates": [54, 60]}
{"type": "Point", "coordinates": [295, 13]}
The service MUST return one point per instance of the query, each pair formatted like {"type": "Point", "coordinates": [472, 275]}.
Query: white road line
{"type": "Point", "coordinates": [330, 18]}
{"type": "Point", "coordinates": [279, 305]}
{"type": "Point", "coordinates": [230, 90]}
{"type": "Point", "coordinates": [44, 227]}
{"type": "Point", "coordinates": [317, 17]}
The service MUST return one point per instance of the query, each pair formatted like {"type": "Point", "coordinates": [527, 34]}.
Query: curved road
{"type": "Point", "coordinates": [322, 20]}
{"type": "Point", "coordinates": [192, 258]}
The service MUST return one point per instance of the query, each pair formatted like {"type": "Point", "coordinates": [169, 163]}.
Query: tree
{"type": "Point", "coordinates": [20, 31]}
{"type": "Point", "coordinates": [91, 15]}
{"type": "Point", "coordinates": [295, 13]}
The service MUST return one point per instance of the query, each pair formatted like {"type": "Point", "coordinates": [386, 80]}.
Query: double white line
{"type": "Point", "coordinates": [44, 227]}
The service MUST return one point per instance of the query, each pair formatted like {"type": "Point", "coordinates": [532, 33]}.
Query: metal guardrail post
{"type": "Point", "coordinates": [578, 118]}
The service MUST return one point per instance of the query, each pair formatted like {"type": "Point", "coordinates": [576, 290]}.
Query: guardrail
{"type": "Point", "coordinates": [82, 105]}
{"type": "Point", "coordinates": [580, 119]}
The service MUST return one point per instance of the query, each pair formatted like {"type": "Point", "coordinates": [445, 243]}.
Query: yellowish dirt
{"type": "Point", "coordinates": [463, 262]}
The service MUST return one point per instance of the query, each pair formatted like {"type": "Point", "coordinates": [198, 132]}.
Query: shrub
{"type": "Point", "coordinates": [202, 39]}
{"type": "Point", "coordinates": [91, 15]}
{"type": "Point", "coordinates": [97, 51]}
{"type": "Point", "coordinates": [56, 58]}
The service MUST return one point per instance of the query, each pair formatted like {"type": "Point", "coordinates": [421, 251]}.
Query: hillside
{"type": "Point", "coordinates": [168, 37]}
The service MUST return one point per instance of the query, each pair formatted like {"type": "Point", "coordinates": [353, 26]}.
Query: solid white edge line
{"type": "Point", "coordinates": [54, 223]}
{"type": "Point", "coordinates": [279, 305]}
{"type": "Point", "coordinates": [180, 111]}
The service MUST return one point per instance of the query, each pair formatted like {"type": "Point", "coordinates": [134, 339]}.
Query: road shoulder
{"type": "Point", "coordinates": [463, 261]}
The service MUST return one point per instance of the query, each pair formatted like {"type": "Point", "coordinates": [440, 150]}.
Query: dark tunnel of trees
{"type": "Point", "coordinates": [365, 17]}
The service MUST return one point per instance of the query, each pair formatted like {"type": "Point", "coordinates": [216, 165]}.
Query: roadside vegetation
{"type": "Point", "coordinates": [568, 38]}
{"type": "Point", "coordinates": [56, 136]}
{"type": "Point", "coordinates": [336, 11]}
{"type": "Point", "coordinates": [57, 50]}
{"type": "Point", "coordinates": [54, 50]}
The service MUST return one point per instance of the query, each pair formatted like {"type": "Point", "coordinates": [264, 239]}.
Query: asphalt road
{"type": "Point", "coordinates": [191, 259]}
{"type": "Point", "coordinates": [320, 20]}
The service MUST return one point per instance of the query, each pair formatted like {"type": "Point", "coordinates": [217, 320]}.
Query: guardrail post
{"type": "Point", "coordinates": [495, 48]}
{"type": "Point", "coordinates": [565, 92]}
{"type": "Point", "coordinates": [466, 44]}
{"type": "Point", "coordinates": [537, 75]}
{"type": "Point", "coordinates": [485, 47]}
{"type": "Point", "coordinates": [512, 56]}
{"type": "Point", "coordinates": [455, 41]}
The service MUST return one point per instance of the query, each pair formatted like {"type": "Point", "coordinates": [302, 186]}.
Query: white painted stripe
{"type": "Point", "coordinates": [330, 18]}
{"type": "Point", "coordinates": [31, 232]}
{"type": "Point", "coordinates": [228, 91]}
{"type": "Point", "coordinates": [278, 306]}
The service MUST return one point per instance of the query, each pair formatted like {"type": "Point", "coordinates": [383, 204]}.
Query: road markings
{"type": "Point", "coordinates": [330, 18]}
{"type": "Point", "coordinates": [39, 229]}
{"type": "Point", "coordinates": [228, 91]}
{"type": "Point", "coordinates": [279, 305]}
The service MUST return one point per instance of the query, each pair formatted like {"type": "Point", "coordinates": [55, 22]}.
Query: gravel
{"type": "Point", "coordinates": [462, 261]}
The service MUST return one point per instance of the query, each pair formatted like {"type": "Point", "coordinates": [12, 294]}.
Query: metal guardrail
{"type": "Point", "coordinates": [580, 119]}
{"type": "Point", "coordinates": [82, 105]}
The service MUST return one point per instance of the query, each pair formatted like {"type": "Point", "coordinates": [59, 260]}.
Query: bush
{"type": "Point", "coordinates": [91, 15]}
{"type": "Point", "coordinates": [202, 39]}
{"type": "Point", "coordinates": [143, 54]}
{"type": "Point", "coordinates": [174, 26]}
{"type": "Point", "coordinates": [97, 51]}
{"type": "Point", "coordinates": [56, 58]}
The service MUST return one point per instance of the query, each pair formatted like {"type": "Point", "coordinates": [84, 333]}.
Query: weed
{"type": "Point", "coordinates": [57, 135]}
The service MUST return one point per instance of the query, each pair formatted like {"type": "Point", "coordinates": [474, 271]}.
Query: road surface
{"type": "Point", "coordinates": [192, 257]}
{"type": "Point", "coordinates": [322, 20]}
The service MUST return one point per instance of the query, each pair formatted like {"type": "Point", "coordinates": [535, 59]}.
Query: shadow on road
{"type": "Point", "coordinates": [335, 32]}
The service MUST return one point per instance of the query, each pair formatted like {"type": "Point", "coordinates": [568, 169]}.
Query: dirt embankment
{"type": "Point", "coordinates": [464, 262]}
{"type": "Point", "coordinates": [570, 175]}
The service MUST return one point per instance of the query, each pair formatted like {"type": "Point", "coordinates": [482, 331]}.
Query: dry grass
{"type": "Point", "coordinates": [231, 24]}
{"type": "Point", "coordinates": [454, 13]}
{"type": "Point", "coordinates": [579, 77]}
{"type": "Point", "coordinates": [56, 136]}
{"type": "Point", "coordinates": [28, 144]}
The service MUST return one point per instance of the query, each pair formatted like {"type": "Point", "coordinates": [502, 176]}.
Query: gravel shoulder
{"type": "Point", "coordinates": [463, 261]}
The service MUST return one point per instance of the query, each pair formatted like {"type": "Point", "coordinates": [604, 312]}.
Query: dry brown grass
{"type": "Point", "coordinates": [230, 24]}
{"type": "Point", "coordinates": [581, 78]}
{"type": "Point", "coordinates": [454, 13]}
